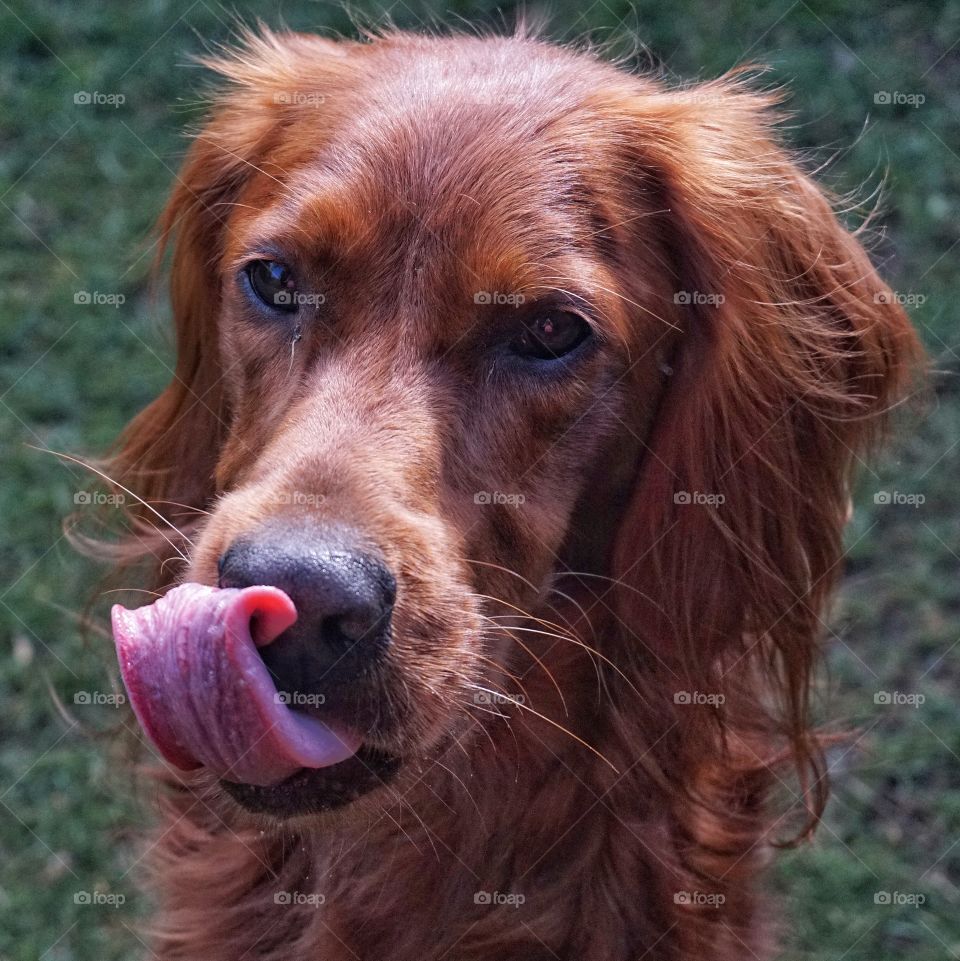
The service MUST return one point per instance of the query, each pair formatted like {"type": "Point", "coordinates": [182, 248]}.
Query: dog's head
{"type": "Point", "coordinates": [459, 316]}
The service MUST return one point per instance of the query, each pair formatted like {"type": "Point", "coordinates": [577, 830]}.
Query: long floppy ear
{"type": "Point", "coordinates": [791, 351]}
{"type": "Point", "coordinates": [167, 454]}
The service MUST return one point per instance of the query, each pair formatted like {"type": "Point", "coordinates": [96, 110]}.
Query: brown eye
{"type": "Point", "coordinates": [272, 282]}
{"type": "Point", "coordinates": [551, 335]}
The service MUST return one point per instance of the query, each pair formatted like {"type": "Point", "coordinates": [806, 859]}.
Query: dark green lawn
{"type": "Point", "coordinates": [80, 184]}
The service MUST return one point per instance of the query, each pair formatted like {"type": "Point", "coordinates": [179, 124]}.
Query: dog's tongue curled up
{"type": "Point", "coordinates": [204, 696]}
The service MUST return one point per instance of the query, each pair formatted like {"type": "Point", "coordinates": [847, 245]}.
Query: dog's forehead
{"type": "Point", "coordinates": [488, 177]}
{"type": "Point", "coordinates": [465, 161]}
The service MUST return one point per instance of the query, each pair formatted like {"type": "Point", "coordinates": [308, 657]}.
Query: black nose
{"type": "Point", "coordinates": [344, 596]}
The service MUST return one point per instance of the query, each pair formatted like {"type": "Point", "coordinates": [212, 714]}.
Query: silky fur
{"type": "Point", "coordinates": [406, 173]}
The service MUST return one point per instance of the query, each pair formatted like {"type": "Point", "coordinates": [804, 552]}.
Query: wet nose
{"type": "Point", "coordinates": [344, 595]}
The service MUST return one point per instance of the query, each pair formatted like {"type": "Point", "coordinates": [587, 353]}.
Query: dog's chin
{"type": "Point", "coordinates": [313, 791]}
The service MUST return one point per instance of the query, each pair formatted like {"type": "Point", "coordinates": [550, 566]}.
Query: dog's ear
{"type": "Point", "coordinates": [167, 454]}
{"type": "Point", "coordinates": [790, 351]}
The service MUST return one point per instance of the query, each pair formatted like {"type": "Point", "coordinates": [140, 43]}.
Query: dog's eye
{"type": "Point", "coordinates": [273, 283]}
{"type": "Point", "coordinates": [551, 335]}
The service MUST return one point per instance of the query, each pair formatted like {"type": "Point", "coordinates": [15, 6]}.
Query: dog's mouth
{"type": "Point", "coordinates": [205, 699]}
{"type": "Point", "coordinates": [316, 790]}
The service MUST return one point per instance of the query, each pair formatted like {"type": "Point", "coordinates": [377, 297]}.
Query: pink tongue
{"type": "Point", "coordinates": [204, 696]}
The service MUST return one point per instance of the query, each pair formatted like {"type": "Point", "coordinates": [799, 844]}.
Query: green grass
{"type": "Point", "coordinates": [80, 186]}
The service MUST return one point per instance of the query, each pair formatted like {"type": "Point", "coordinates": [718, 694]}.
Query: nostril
{"type": "Point", "coordinates": [239, 567]}
{"type": "Point", "coordinates": [354, 627]}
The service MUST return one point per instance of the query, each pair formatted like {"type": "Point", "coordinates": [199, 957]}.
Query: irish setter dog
{"type": "Point", "coordinates": [517, 399]}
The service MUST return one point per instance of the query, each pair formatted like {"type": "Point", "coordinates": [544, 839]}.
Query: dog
{"type": "Point", "coordinates": [517, 399]}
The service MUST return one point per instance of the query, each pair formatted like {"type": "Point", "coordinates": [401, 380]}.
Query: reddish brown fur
{"type": "Point", "coordinates": [434, 168]}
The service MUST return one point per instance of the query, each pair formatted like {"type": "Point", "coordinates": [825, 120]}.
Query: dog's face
{"type": "Point", "coordinates": [426, 332]}
{"type": "Point", "coordinates": [457, 315]}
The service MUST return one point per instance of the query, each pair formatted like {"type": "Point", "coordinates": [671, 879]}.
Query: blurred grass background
{"type": "Point", "coordinates": [80, 185]}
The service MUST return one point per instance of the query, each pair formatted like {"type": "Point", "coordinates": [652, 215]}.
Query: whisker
{"type": "Point", "coordinates": [520, 611]}
{"type": "Point", "coordinates": [523, 580]}
{"type": "Point", "coordinates": [559, 727]}
{"type": "Point", "coordinates": [128, 590]}
{"type": "Point", "coordinates": [463, 784]}
{"type": "Point", "coordinates": [416, 847]}
{"type": "Point", "coordinates": [136, 497]}
{"type": "Point", "coordinates": [543, 666]}
{"type": "Point", "coordinates": [590, 650]}
{"type": "Point", "coordinates": [601, 680]}
{"type": "Point", "coordinates": [556, 590]}
{"type": "Point", "coordinates": [483, 727]}
{"type": "Point", "coordinates": [187, 507]}
{"type": "Point", "coordinates": [502, 670]}
{"type": "Point", "coordinates": [619, 582]}
{"type": "Point", "coordinates": [83, 620]}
